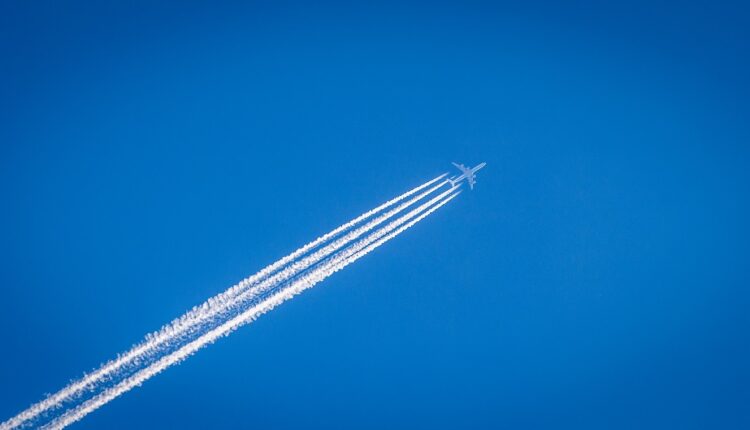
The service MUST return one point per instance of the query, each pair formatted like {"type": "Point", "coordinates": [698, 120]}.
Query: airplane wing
{"type": "Point", "coordinates": [461, 167]}
{"type": "Point", "coordinates": [468, 173]}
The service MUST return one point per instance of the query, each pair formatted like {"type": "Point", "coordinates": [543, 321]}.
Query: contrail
{"type": "Point", "coordinates": [246, 289]}
{"type": "Point", "coordinates": [338, 262]}
{"type": "Point", "coordinates": [172, 332]}
{"type": "Point", "coordinates": [312, 259]}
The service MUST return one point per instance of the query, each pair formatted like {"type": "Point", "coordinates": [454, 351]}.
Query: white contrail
{"type": "Point", "coordinates": [225, 301]}
{"type": "Point", "coordinates": [304, 263]}
{"type": "Point", "coordinates": [172, 334]}
{"type": "Point", "coordinates": [322, 239]}
{"type": "Point", "coordinates": [173, 331]}
{"type": "Point", "coordinates": [211, 307]}
{"type": "Point", "coordinates": [338, 262]}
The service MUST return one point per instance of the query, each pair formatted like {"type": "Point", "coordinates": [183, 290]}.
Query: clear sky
{"type": "Point", "coordinates": [152, 155]}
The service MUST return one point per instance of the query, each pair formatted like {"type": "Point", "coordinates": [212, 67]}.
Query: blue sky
{"type": "Point", "coordinates": [152, 155]}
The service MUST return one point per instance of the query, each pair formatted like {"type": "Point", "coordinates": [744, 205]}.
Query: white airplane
{"type": "Point", "coordinates": [468, 173]}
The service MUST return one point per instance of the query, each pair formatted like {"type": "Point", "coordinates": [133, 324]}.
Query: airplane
{"type": "Point", "coordinates": [468, 173]}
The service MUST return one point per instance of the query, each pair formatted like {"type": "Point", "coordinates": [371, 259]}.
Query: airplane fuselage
{"type": "Point", "coordinates": [468, 173]}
